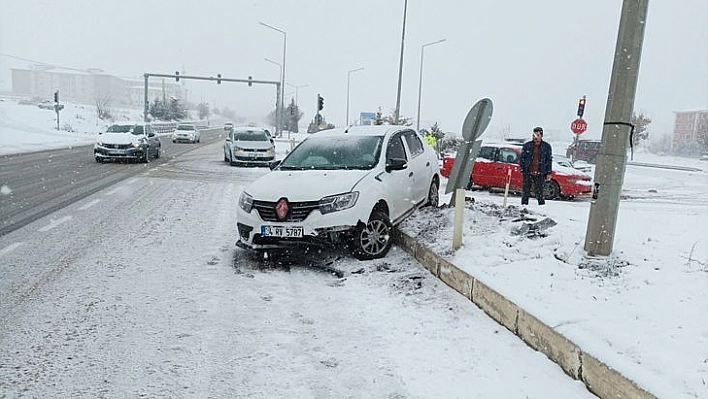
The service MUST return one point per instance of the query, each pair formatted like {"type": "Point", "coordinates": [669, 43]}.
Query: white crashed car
{"type": "Point", "coordinates": [340, 186]}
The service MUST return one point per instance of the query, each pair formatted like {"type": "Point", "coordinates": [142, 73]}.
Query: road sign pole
{"type": "Point", "coordinates": [611, 162]}
{"type": "Point", "coordinates": [476, 121]}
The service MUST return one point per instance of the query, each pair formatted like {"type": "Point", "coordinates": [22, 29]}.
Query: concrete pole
{"type": "Point", "coordinates": [611, 162]}
{"type": "Point", "coordinates": [400, 65]}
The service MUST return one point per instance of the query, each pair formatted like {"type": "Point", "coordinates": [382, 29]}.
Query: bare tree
{"type": "Point", "coordinates": [103, 107]}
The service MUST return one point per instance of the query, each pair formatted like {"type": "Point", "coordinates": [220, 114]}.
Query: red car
{"type": "Point", "coordinates": [491, 168]}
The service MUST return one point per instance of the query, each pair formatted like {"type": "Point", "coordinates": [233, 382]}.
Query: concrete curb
{"type": "Point", "coordinates": [598, 377]}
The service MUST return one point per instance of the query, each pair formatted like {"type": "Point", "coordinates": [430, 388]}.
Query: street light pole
{"type": "Point", "coordinates": [400, 64]}
{"type": "Point", "coordinates": [420, 78]}
{"type": "Point", "coordinates": [282, 78]}
{"type": "Point", "coordinates": [349, 74]}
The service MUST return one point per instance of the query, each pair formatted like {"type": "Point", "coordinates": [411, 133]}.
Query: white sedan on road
{"type": "Point", "coordinates": [348, 186]}
{"type": "Point", "coordinates": [187, 132]}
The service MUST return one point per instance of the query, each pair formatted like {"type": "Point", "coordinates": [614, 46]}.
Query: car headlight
{"type": "Point", "coordinates": [245, 202]}
{"type": "Point", "coordinates": [338, 202]}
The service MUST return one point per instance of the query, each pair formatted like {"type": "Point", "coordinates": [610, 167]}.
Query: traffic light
{"type": "Point", "coordinates": [218, 78]}
{"type": "Point", "coordinates": [581, 107]}
{"type": "Point", "coordinates": [320, 102]}
{"type": "Point", "coordinates": [56, 96]}
{"type": "Point", "coordinates": [249, 81]}
{"type": "Point", "coordinates": [177, 76]}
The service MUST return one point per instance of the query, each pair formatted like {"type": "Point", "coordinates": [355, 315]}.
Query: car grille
{"type": "Point", "coordinates": [297, 213]}
{"type": "Point", "coordinates": [117, 146]}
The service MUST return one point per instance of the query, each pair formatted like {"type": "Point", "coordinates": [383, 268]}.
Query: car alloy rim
{"type": "Point", "coordinates": [374, 237]}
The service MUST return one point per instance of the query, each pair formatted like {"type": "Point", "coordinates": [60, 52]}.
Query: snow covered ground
{"type": "Point", "coordinates": [642, 310]}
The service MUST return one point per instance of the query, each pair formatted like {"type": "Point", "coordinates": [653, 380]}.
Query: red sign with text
{"type": "Point", "coordinates": [579, 126]}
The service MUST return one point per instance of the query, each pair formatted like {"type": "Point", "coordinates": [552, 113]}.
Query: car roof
{"type": "Point", "coordinates": [369, 130]}
{"type": "Point", "coordinates": [249, 129]}
{"type": "Point", "coordinates": [129, 123]}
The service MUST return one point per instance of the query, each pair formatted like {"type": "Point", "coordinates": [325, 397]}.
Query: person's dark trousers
{"type": "Point", "coordinates": [538, 182]}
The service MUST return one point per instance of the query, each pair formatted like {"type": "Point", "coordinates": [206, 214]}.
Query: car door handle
{"type": "Point", "coordinates": [427, 163]}
{"type": "Point", "coordinates": [410, 174]}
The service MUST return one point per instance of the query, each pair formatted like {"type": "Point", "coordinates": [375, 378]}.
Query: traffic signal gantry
{"type": "Point", "coordinates": [176, 76]}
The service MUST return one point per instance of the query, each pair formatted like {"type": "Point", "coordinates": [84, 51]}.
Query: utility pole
{"type": "Point", "coordinates": [611, 162]}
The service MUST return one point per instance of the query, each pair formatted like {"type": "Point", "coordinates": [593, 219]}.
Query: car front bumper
{"type": "Point", "coordinates": [316, 228]}
{"type": "Point", "coordinates": [118, 153]}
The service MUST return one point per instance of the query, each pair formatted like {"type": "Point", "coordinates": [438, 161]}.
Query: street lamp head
{"type": "Point", "coordinates": [435, 42]}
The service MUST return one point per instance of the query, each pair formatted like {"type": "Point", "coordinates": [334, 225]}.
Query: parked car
{"type": "Point", "coordinates": [491, 168]}
{"type": "Point", "coordinates": [246, 145]}
{"type": "Point", "coordinates": [584, 150]}
{"type": "Point", "coordinates": [186, 133]}
{"type": "Point", "coordinates": [347, 186]}
{"type": "Point", "coordinates": [562, 160]}
{"type": "Point", "coordinates": [128, 141]}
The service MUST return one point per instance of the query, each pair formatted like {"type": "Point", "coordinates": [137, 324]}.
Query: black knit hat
{"type": "Point", "coordinates": [538, 129]}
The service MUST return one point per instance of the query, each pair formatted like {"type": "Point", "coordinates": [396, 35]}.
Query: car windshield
{"type": "Point", "coordinates": [250, 135]}
{"type": "Point", "coordinates": [185, 127]}
{"type": "Point", "coordinates": [132, 129]}
{"type": "Point", "coordinates": [329, 153]}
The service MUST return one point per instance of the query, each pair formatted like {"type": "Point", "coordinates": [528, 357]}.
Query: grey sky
{"type": "Point", "coordinates": [533, 59]}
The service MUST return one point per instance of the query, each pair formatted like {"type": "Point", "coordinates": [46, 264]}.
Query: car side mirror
{"type": "Point", "coordinates": [396, 164]}
{"type": "Point", "coordinates": [274, 164]}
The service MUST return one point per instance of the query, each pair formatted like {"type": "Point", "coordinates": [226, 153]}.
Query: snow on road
{"type": "Point", "coordinates": [141, 292]}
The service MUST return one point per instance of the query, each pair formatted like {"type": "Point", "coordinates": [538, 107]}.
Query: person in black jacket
{"type": "Point", "coordinates": [536, 163]}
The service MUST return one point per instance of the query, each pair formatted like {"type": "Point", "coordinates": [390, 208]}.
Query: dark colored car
{"type": "Point", "coordinates": [584, 150]}
{"type": "Point", "coordinates": [128, 141]}
{"type": "Point", "coordinates": [494, 163]}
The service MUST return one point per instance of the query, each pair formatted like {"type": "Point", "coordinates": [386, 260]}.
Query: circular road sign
{"type": "Point", "coordinates": [579, 126]}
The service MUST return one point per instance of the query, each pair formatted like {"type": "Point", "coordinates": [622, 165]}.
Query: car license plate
{"type": "Point", "coordinates": [253, 154]}
{"type": "Point", "coordinates": [282, 231]}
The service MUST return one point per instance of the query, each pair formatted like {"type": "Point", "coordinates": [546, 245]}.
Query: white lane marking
{"type": "Point", "coordinates": [9, 248]}
{"type": "Point", "coordinates": [90, 204]}
{"type": "Point", "coordinates": [55, 223]}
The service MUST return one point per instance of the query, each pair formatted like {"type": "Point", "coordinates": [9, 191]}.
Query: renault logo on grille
{"type": "Point", "coordinates": [282, 208]}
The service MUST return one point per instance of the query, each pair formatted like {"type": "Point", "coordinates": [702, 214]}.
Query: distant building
{"type": "Point", "coordinates": [690, 132]}
{"type": "Point", "coordinates": [90, 86]}
{"type": "Point", "coordinates": [367, 118]}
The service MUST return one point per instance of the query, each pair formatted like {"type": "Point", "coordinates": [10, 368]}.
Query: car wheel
{"type": "Point", "coordinates": [551, 190]}
{"type": "Point", "coordinates": [373, 239]}
{"type": "Point", "coordinates": [433, 195]}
